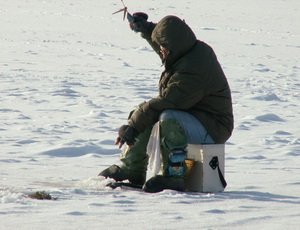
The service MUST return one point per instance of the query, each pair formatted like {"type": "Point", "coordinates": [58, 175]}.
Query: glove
{"type": "Point", "coordinates": [127, 134]}
{"type": "Point", "coordinates": [138, 23]}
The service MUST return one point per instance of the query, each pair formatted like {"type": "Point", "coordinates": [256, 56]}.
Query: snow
{"type": "Point", "coordinates": [71, 72]}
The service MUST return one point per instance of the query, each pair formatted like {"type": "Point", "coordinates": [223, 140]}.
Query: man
{"type": "Point", "coordinates": [193, 105]}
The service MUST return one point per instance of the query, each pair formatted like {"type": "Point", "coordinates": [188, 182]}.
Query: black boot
{"type": "Point", "coordinates": [159, 183]}
{"type": "Point", "coordinates": [119, 174]}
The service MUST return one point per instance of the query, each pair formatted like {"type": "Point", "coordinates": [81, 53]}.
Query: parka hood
{"type": "Point", "coordinates": [174, 34]}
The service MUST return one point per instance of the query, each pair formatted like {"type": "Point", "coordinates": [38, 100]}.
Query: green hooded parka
{"type": "Point", "coordinates": [193, 81]}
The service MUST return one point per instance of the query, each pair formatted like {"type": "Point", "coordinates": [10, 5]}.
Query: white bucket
{"type": "Point", "coordinates": [207, 172]}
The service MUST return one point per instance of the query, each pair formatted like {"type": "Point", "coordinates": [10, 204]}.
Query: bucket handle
{"type": "Point", "coordinates": [214, 163]}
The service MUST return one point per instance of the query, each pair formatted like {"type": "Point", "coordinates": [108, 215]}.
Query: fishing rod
{"type": "Point", "coordinates": [126, 14]}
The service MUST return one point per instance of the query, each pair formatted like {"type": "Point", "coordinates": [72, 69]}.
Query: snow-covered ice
{"type": "Point", "coordinates": [70, 72]}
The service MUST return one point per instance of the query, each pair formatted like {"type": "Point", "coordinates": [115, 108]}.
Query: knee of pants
{"type": "Point", "coordinates": [195, 132]}
{"type": "Point", "coordinates": [167, 114]}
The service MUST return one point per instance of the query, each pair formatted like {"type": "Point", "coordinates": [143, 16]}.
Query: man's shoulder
{"type": "Point", "coordinates": [197, 59]}
{"type": "Point", "coordinates": [203, 46]}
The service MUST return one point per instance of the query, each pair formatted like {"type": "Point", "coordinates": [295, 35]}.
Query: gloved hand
{"type": "Point", "coordinates": [127, 134]}
{"type": "Point", "coordinates": [138, 22]}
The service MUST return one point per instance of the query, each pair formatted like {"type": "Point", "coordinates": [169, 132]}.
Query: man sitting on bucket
{"type": "Point", "coordinates": [193, 105]}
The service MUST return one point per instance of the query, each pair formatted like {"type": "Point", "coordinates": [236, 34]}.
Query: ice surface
{"type": "Point", "coordinates": [71, 72]}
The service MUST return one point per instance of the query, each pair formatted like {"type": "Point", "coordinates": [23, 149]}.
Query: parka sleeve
{"type": "Point", "coordinates": [183, 91]}
{"type": "Point", "coordinates": [147, 36]}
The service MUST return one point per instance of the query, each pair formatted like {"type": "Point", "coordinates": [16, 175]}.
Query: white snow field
{"type": "Point", "coordinates": [70, 72]}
